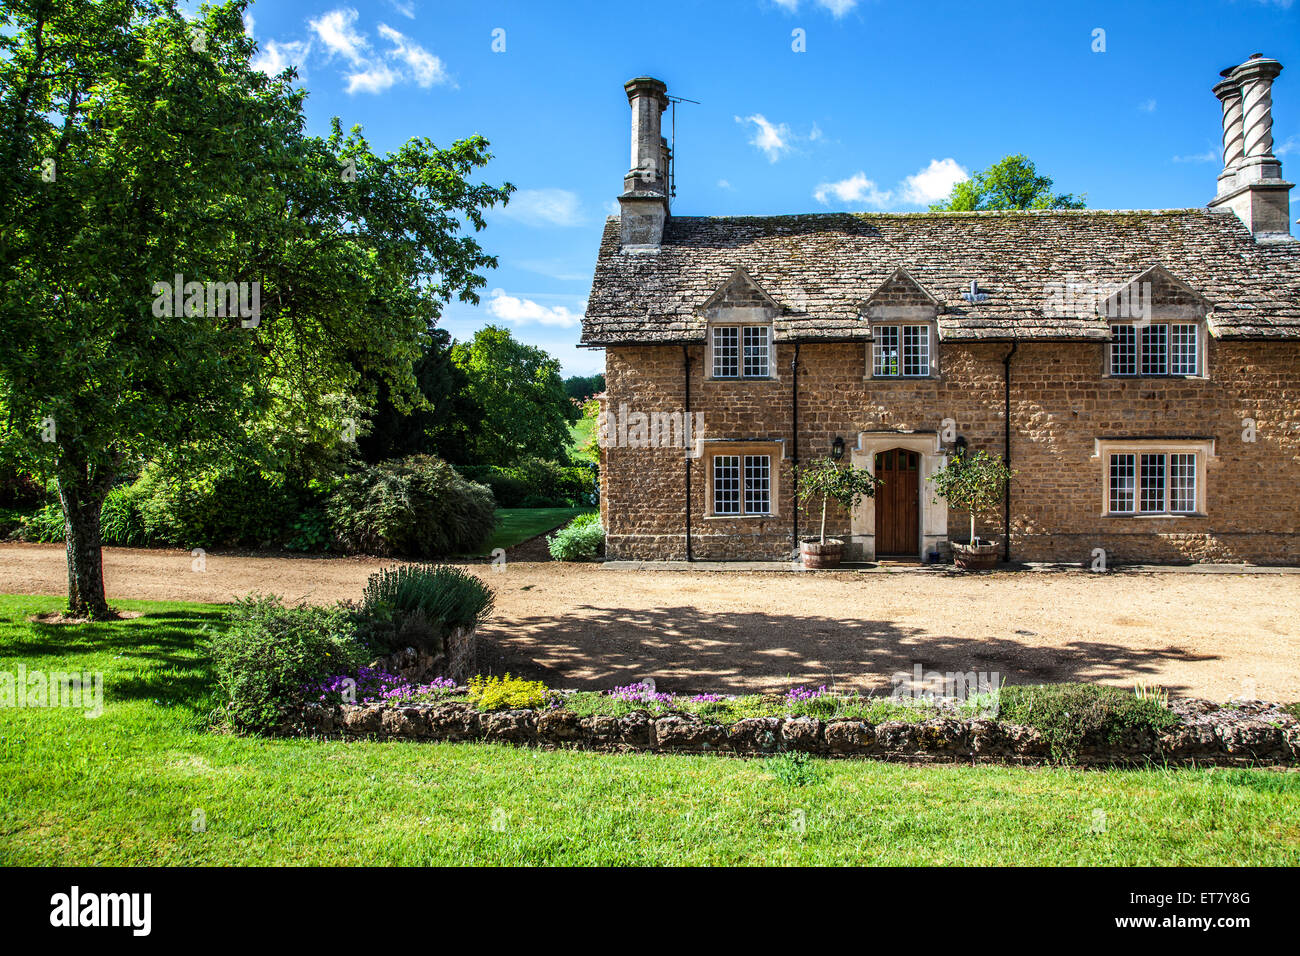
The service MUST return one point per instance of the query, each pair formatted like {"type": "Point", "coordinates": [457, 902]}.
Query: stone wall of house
{"type": "Point", "coordinates": [1061, 403]}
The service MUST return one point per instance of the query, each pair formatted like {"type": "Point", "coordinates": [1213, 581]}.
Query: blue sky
{"type": "Point", "coordinates": [885, 107]}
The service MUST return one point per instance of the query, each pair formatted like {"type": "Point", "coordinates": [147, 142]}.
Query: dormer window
{"type": "Point", "coordinates": [742, 351]}
{"type": "Point", "coordinates": [901, 351]}
{"type": "Point", "coordinates": [1155, 349]}
{"type": "Point", "coordinates": [904, 329]}
{"type": "Point", "coordinates": [1157, 327]}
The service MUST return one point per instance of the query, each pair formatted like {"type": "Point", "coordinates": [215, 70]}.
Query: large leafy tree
{"type": "Point", "coordinates": [525, 411]}
{"type": "Point", "coordinates": [442, 424]}
{"type": "Point", "coordinates": [139, 146]}
{"type": "Point", "coordinates": [1011, 183]}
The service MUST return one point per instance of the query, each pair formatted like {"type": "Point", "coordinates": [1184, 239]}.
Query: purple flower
{"type": "Point", "coordinates": [376, 686]}
{"type": "Point", "coordinates": [640, 694]}
{"type": "Point", "coordinates": [803, 693]}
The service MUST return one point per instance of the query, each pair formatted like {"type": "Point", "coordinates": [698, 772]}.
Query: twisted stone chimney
{"type": "Point", "coordinates": [643, 206]}
{"type": "Point", "coordinates": [1251, 183]}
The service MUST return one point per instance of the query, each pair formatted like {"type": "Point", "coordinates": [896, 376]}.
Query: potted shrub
{"type": "Point", "coordinates": [846, 486]}
{"type": "Point", "coordinates": [974, 484]}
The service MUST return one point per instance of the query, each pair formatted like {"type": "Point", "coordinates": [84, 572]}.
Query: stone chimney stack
{"type": "Point", "coordinates": [643, 206]}
{"type": "Point", "coordinates": [1251, 183]}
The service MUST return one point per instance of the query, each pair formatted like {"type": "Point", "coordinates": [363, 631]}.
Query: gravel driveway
{"type": "Point", "coordinates": [1207, 635]}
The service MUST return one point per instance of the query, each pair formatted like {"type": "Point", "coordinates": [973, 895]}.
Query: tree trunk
{"type": "Point", "coordinates": [972, 528]}
{"type": "Point", "coordinates": [82, 498]}
{"type": "Point", "coordinates": [823, 519]}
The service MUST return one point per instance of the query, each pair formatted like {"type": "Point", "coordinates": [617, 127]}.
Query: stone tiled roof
{"type": "Point", "coordinates": [822, 268]}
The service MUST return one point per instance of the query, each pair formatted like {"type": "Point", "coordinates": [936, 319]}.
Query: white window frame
{"type": "Point", "coordinates": [743, 479]}
{"type": "Point", "coordinates": [1130, 354]}
{"type": "Point", "coordinates": [894, 335]}
{"type": "Point", "coordinates": [730, 361]}
{"type": "Point", "coordinates": [728, 488]}
{"type": "Point", "coordinates": [1157, 474]}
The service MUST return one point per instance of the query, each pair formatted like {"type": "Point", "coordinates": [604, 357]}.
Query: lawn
{"type": "Point", "coordinates": [517, 525]}
{"type": "Point", "coordinates": [580, 434]}
{"type": "Point", "coordinates": [145, 783]}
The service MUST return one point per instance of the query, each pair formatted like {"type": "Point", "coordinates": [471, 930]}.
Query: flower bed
{"type": "Point", "coordinates": [639, 718]}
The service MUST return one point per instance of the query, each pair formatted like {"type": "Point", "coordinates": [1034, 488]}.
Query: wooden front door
{"type": "Point", "coordinates": [898, 511]}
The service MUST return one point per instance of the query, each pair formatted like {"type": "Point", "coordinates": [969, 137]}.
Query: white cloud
{"type": "Point", "coordinates": [405, 61]}
{"type": "Point", "coordinates": [1209, 156]}
{"type": "Point", "coordinates": [426, 68]}
{"type": "Point", "coordinates": [544, 207]}
{"type": "Point", "coordinates": [1147, 106]}
{"type": "Point", "coordinates": [612, 207]}
{"type": "Point", "coordinates": [930, 184]}
{"type": "Point", "coordinates": [723, 184]}
{"type": "Point", "coordinates": [856, 190]}
{"type": "Point", "coordinates": [933, 183]}
{"type": "Point", "coordinates": [335, 31]}
{"type": "Point", "coordinates": [837, 8]}
{"type": "Point", "coordinates": [376, 77]}
{"type": "Point", "coordinates": [1289, 145]}
{"type": "Point", "coordinates": [274, 58]}
{"type": "Point", "coordinates": [406, 9]}
{"type": "Point", "coordinates": [772, 138]}
{"type": "Point", "coordinates": [523, 311]}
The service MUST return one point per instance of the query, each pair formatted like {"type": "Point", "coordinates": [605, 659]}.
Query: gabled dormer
{"type": "Point", "coordinates": [739, 332]}
{"type": "Point", "coordinates": [904, 329]}
{"type": "Point", "coordinates": [1158, 327]}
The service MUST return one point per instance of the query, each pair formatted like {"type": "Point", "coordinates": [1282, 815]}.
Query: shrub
{"type": "Point", "coordinates": [234, 506]}
{"type": "Point", "coordinates": [44, 525]}
{"type": "Point", "coordinates": [1070, 716]}
{"type": "Point", "coordinates": [418, 605]}
{"type": "Point", "coordinates": [534, 483]}
{"type": "Point", "coordinates": [309, 531]}
{"type": "Point", "coordinates": [505, 693]}
{"type": "Point", "coordinates": [269, 653]}
{"type": "Point", "coordinates": [21, 490]}
{"type": "Point", "coordinates": [418, 506]}
{"type": "Point", "coordinates": [582, 539]}
{"type": "Point", "coordinates": [122, 520]}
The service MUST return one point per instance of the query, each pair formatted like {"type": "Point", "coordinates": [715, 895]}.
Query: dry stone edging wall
{"type": "Point", "coordinates": [1258, 734]}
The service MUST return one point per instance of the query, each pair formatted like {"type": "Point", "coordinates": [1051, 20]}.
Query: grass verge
{"type": "Point", "coordinates": [145, 783]}
{"type": "Point", "coordinates": [517, 525]}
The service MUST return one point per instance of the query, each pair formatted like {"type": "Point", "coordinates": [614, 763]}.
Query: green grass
{"type": "Point", "coordinates": [517, 525]}
{"type": "Point", "coordinates": [580, 434]}
{"type": "Point", "coordinates": [874, 709]}
{"type": "Point", "coordinates": [124, 788]}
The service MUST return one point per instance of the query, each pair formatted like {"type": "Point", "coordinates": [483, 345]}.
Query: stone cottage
{"type": "Point", "coordinates": [1140, 370]}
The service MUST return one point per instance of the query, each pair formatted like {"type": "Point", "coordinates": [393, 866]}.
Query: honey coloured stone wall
{"type": "Point", "coordinates": [1061, 404]}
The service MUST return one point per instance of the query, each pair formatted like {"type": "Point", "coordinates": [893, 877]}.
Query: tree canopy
{"type": "Point", "coordinates": [525, 411]}
{"type": "Point", "coordinates": [1011, 183]}
{"type": "Point", "coordinates": [183, 270]}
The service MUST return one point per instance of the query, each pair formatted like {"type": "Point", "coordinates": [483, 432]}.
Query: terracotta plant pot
{"type": "Point", "coordinates": [818, 554]}
{"type": "Point", "coordinates": [975, 557]}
